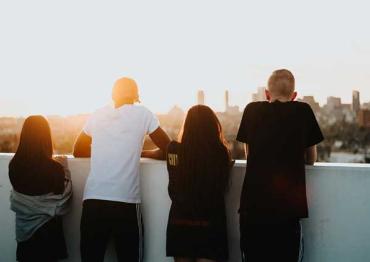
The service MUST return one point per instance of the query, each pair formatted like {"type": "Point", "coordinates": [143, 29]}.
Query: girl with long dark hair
{"type": "Point", "coordinates": [41, 190]}
{"type": "Point", "coordinates": [198, 166]}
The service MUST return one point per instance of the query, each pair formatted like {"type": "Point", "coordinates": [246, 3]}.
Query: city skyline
{"type": "Point", "coordinates": [331, 102]}
{"type": "Point", "coordinates": [225, 103]}
{"type": "Point", "coordinates": [63, 57]}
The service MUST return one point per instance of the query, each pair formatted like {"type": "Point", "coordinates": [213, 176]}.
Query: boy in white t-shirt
{"type": "Point", "coordinates": [114, 136]}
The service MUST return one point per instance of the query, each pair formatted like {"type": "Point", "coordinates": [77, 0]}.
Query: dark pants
{"type": "Point", "coordinates": [271, 241]}
{"type": "Point", "coordinates": [47, 244]}
{"type": "Point", "coordinates": [102, 220]}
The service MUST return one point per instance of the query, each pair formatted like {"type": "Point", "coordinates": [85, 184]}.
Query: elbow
{"type": "Point", "coordinates": [80, 154]}
{"type": "Point", "coordinates": [162, 155]}
{"type": "Point", "coordinates": [76, 152]}
{"type": "Point", "coordinates": [310, 162]}
{"type": "Point", "coordinates": [163, 147]}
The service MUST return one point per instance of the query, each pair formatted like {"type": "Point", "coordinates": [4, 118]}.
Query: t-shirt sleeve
{"type": "Point", "coordinates": [244, 128]}
{"type": "Point", "coordinates": [88, 128]}
{"type": "Point", "coordinates": [152, 123]}
{"type": "Point", "coordinates": [313, 134]}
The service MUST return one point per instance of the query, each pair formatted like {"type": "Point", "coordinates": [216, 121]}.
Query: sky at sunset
{"type": "Point", "coordinates": [62, 57]}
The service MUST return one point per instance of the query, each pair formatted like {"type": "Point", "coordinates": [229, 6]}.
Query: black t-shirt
{"type": "Point", "coordinates": [47, 177]}
{"type": "Point", "coordinates": [277, 135]}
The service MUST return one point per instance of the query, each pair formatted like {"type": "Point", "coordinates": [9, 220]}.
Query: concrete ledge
{"type": "Point", "coordinates": [338, 228]}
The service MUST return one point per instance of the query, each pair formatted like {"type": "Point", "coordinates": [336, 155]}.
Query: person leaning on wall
{"type": "Point", "coordinates": [280, 137]}
{"type": "Point", "coordinates": [41, 194]}
{"type": "Point", "coordinates": [113, 136]}
{"type": "Point", "coordinates": [199, 166]}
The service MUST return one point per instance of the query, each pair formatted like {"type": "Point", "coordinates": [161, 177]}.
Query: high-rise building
{"type": "Point", "coordinates": [229, 109]}
{"type": "Point", "coordinates": [260, 95]}
{"type": "Point", "coordinates": [363, 118]}
{"type": "Point", "coordinates": [356, 105]}
{"type": "Point", "coordinates": [333, 102]}
{"type": "Point", "coordinates": [200, 97]}
{"type": "Point", "coordinates": [226, 100]}
{"type": "Point", "coordinates": [366, 105]}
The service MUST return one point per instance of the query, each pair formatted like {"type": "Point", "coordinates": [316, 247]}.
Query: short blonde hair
{"type": "Point", "coordinates": [281, 83]}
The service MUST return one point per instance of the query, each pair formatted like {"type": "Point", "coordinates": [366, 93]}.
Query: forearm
{"type": "Point", "coordinates": [154, 154]}
{"type": "Point", "coordinates": [310, 162]}
{"type": "Point", "coordinates": [80, 151]}
{"type": "Point", "coordinates": [246, 151]}
{"type": "Point", "coordinates": [311, 155]}
{"type": "Point", "coordinates": [82, 146]}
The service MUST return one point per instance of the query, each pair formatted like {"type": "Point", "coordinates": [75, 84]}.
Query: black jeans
{"type": "Point", "coordinates": [280, 241]}
{"type": "Point", "coordinates": [47, 244]}
{"type": "Point", "coordinates": [101, 220]}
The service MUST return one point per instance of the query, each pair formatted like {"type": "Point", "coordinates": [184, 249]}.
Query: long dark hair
{"type": "Point", "coordinates": [35, 145]}
{"type": "Point", "coordinates": [204, 158]}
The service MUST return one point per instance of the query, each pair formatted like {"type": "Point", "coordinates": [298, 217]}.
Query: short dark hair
{"type": "Point", "coordinates": [281, 82]}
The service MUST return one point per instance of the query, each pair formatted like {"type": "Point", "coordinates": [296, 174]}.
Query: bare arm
{"type": "Point", "coordinates": [311, 155]}
{"type": "Point", "coordinates": [161, 140]}
{"type": "Point", "coordinates": [82, 147]}
{"type": "Point", "coordinates": [246, 150]}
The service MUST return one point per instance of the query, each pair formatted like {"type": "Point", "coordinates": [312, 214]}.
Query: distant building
{"type": "Point", "coordinates": [200, 97]}
{"type": "Point", "coordinates": [312, 102]}
{"type": "Point", "coordinates": [176, 113]}
{"type": "Point", "coordinates": [230, 110]}
{"type": "Point", "coordinates": [333, 102]}
{"type": "Point", "coordinates": [366, 105]}
{"type": "Point", "coordinates": [336, 111]}
{"type": "Point", "coordinates": [363, 118]}
{"type": "Point", "coordinates": [226, 100]}
{"type": "Point", "coordinates": [233, 110]}
{"type": "Point", "coordinates": [356, 105]}
{"type": "Point", "coordinates": [260, 95]}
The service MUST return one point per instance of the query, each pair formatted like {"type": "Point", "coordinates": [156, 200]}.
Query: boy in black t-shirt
{"type": "Point", "coordinates": [280, 137]}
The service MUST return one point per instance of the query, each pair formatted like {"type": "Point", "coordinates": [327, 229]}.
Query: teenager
{"type": "Point", "coordinates": [111, 202]}
{"type": "Point", "coordinates": [198, 166]}
{"type": "Point", "coordinates": [280, 137]}
{"type": "Point", "coordinates": [41, 190]}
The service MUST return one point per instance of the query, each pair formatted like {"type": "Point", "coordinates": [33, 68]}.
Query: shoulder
{"type": "Point", "coordinates": [107, 109]}
{"type": "Point", "coordinates": [302, 107]}
{"type": "Point", "coordinates": [253, 109]}
{"type": "Point", "coordinates": [255, 105]}
{"type": "Point", "coordinates": [55, 167]}
{"type": "Point", "coordinates": [300, 104]}
{"type": "Point", "coordinates": [143, 110]}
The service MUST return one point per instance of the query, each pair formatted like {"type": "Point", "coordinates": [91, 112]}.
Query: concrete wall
{"type": "Point", "coordinates": [338, 228]}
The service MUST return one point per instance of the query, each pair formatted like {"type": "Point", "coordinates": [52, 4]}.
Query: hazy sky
{"type": "Point", "coordinates": [62, 57]}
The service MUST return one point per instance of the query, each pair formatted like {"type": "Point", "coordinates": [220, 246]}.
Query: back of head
{"type": "Point", "coordinates": [35, 144]}
{"type": "Point", "coordinates": [205, 158]}
{"type": "Point", "coordinates": [201, 127]}
{"type": "Point", "coordinates": [281, 83]}
{"type": "Point", "coordinates": [125, 90]}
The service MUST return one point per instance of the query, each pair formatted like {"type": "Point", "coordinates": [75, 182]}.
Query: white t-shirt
{"type": "Point", "coordinates": [117, 140]}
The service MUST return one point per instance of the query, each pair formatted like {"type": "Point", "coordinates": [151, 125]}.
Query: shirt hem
{"type": "Point", "coordinates": [124, 200]}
